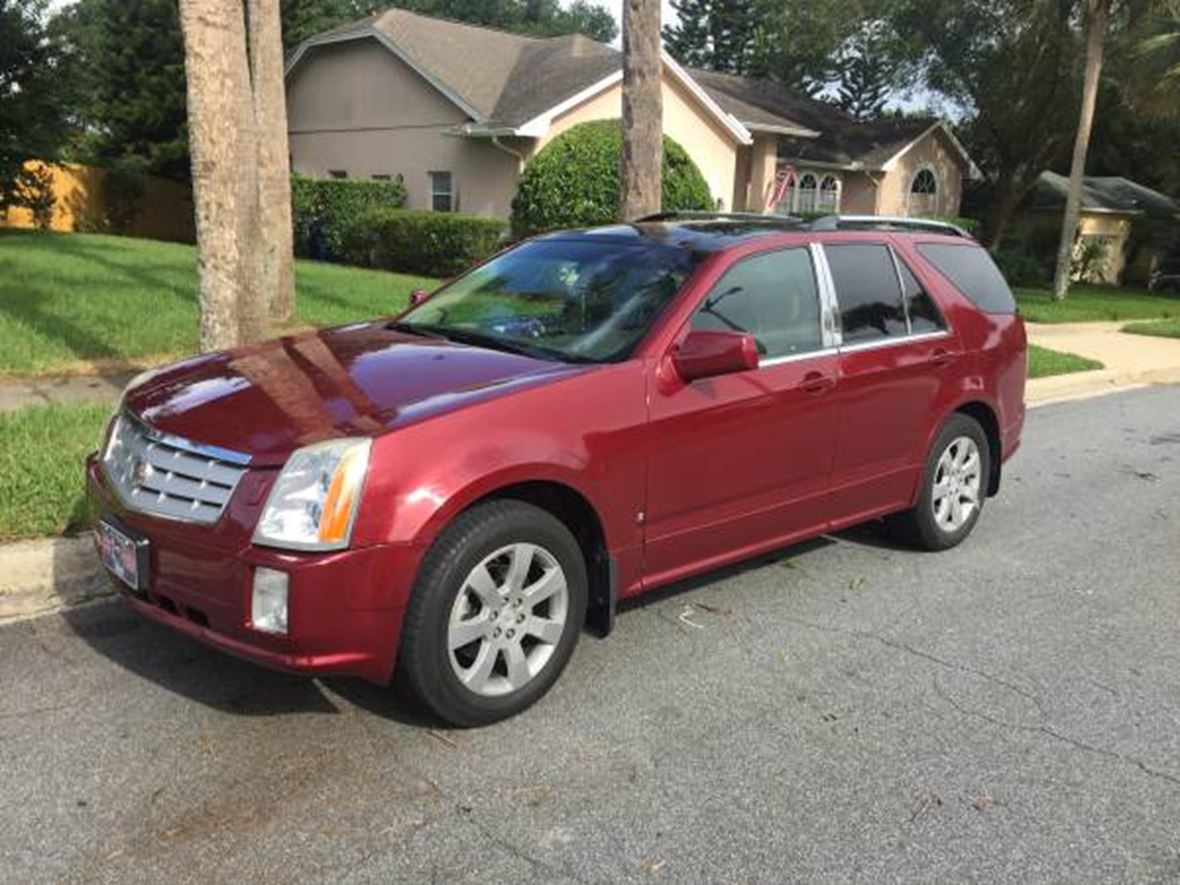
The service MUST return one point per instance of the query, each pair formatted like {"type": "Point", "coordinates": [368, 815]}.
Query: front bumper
{"type": "Point", "coordinates": [345, 608]}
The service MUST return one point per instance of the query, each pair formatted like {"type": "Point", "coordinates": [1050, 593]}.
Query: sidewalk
{"type": "Point", "coordinates": [1130, 360]}
{"type": "Point", "coordinates": [19, 393]}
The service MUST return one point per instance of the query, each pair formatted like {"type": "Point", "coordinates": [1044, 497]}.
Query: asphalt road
{"type": "Point", "coordinates": [846, 711]}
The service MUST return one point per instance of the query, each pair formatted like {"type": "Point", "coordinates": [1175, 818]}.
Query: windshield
{"type": "Point", "coordinates": [567, 299]}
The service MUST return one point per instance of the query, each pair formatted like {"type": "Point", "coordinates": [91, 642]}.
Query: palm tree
{"type": "Point", "coordinates": [274, 164]}
{"type": "Point", "coordinates": [238, 142]}
{"type": "Point", "coordinates": [1166, 46]}
{"type": "Point", "coordinates": [1097, 15]}
{"type": "Point", "coordinates": [642, 155]}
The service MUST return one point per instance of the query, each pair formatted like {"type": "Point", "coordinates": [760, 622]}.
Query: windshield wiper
{"type": "Point", "coordinates": [494, 342]}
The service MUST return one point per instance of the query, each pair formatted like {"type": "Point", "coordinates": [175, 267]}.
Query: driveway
{"type": "Point", "coordinates": [846, 711]}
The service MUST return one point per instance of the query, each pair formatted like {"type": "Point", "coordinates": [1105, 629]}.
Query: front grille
{"type": "Point", "coordinates": [163, 475]}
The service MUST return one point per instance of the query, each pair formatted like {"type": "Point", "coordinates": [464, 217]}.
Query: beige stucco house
{"type": "Point", "coordinates": [456, 111]}
{"type": "Point", "coordinates": [1130, 224]}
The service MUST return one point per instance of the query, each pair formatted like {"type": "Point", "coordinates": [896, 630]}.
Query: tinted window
{"type": "Point", "coordinates": [867, 291]}
{"type": "Point", "coordinates": [973, 273]}
{"type": "Point", "coordinates": [774, 297]}
{"type": "Point", "coordinates": [924, 315]}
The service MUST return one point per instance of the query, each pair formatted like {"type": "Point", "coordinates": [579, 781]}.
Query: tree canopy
{"type": "Point", "coordinates": [33, 95]}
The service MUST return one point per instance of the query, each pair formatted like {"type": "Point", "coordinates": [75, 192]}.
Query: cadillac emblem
{"type": "Point", "coordinates": [141, 471]}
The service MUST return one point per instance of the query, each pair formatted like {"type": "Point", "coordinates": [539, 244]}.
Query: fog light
{"type": "Point", "coordinates": [268, 604]}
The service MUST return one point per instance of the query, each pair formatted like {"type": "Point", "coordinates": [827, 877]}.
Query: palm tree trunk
{"type": "Point", "coordinates": [274, 172]}
{"type": "Point", "coordinates": [224, 162]}
{"type": "Point", "coordinates": [1098, 13]}
{"type": "Point", "coordinates": [643, 115]}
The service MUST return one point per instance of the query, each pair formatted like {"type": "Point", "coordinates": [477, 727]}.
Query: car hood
{"type": "Point", "coordinates": [362, 380]}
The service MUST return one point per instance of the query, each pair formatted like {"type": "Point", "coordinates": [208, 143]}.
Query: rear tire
{"type": "Point", "coordinates": [954, 487]}
{"type": "Point", "coordinates": [495, 613]}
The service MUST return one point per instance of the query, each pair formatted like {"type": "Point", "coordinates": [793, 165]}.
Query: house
{"type": "Point", "coordinates": [455, 111]}
{"type": "Point", "coordinates": [1132, 224]}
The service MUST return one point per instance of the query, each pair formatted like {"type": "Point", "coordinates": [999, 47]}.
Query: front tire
{"type": "Point", "coordinates": [954, 487]}
{"type": "Point", "coordinates": [495, 613]}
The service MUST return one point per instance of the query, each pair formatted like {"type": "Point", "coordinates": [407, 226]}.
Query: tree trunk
{"type": "Point", "coordinates": [225, 187]}
{"type": "Point", "coordinates": [274, 173]}
{"type": "Point", "coordinates": [643, 117]}
{"type": "Point", "coordinates": [1099, 11]}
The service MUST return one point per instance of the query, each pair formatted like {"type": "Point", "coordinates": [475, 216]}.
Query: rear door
{"type": "Point", "coordinates": [896, 353]}
{"type": "Point", "coordinates": [741, 462]}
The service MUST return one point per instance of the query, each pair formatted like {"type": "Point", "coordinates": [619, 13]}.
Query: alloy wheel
{"type": "Point", "coordinates": [507, 619]}
{"type": "Point", "coordinates": [957, 484]}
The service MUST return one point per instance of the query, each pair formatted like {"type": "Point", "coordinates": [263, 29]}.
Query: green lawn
{"type": "Point", "coordinates": [1096, 303]}
{"type": "Point", "coordinates": [41, 453]}
{"type": "Point", "coordinates": [66, 299]}
{"type": "Point", "coordinates": [1159, 328]}
{"type": "Point", "coordinates": [1043, 362]}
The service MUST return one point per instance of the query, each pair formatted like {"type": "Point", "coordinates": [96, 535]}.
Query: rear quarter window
{"type": "Point", "coordinates": [971, 270]}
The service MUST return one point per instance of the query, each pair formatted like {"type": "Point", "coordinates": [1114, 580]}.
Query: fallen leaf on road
{"type": "Point", "coordinates": [983, 803]}
{"type": "Point", "coordinates": [655, 866]}
{"type": "Point", "coordinates": [856, 583]}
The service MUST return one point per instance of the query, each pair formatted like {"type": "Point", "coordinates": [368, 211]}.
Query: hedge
{"type": "Point", "coordinates": [433, 244]}
{"type": "Point", "coordinates": [574, 181]}
{"type": "Point", "coordinates": [323, 209]}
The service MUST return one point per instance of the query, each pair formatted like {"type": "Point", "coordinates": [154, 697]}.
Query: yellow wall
{"type": "Point", "coordinates": [933, 152]}
{"type": "Point", "coordinates": [166, 211]}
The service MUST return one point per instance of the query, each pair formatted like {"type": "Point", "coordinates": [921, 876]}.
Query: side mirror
{"type": "Point", "coordinates": [418, 296]}
{"type": "Point", "coordinates": [708, 354]}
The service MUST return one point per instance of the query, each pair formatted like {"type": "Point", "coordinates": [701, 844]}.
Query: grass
{"type": "Point", "coordinates": [1043, 362]}
{"type": "Point", "coordinates": [70, 299]}
{"type": "Point", "coordinates": [41, 453]}
{"type": "Point", "coordinates": [1087, 304]}
{"type": "Point", "coordinates": [1159, 328]}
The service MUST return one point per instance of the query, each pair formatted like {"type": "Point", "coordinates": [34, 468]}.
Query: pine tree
{"type": "Point", "coordinates": [866, 74]}
{"type": "Point", "coordinates": [719, 35]}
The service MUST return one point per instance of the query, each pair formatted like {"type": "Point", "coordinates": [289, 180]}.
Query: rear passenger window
{"type": "Point", "coordinates": [923, 312]}
{"type": "Point", "coordinates": [773, 296]}
{"type": "Point", "coordinates": [867, 292]}
{"type": "Point", "coordinates": [973, 273]}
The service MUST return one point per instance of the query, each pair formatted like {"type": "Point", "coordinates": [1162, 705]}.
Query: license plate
{"type": "Point", "coordinates": [125, 556]}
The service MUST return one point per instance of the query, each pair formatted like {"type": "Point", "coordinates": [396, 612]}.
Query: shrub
{"type": "Point", "coordinates": [1020, 265]}
{"type": "Point", "coordinates": [322, 211]}
{"type": "Point", "coordinates": [574, 181]}
{"type": "Point", "coordinates": [434, 244]}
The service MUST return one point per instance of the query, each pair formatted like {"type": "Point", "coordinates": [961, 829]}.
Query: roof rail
{"type": "Point", "coordinates": [887, 222]}
{"type": "Point", "coordinates": [756, 217]}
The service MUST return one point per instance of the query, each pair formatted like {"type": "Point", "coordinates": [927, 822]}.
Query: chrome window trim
{"type": "Point", "coordinates": [880, 343]}
{"type": "Point", "coordinates": [796, 357]}
{"type": "Point", "coordinates": [829, 307]}
{"type": "Point", "coordinates": [905, 305]}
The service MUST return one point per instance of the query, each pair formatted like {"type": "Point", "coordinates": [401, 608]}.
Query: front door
{"type": "Point", "coordinates": [741, 462]}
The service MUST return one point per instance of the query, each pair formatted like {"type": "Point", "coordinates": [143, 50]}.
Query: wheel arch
{"type": "Point", "coordinates": [575, 510]}
{"type": "Point", "coordinates": [985, 415]}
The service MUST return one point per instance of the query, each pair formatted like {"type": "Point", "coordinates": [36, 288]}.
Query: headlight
{"type": "Point", "coordinates": [314, 501]}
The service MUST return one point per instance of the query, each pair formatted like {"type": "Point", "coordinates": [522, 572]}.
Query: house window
{"type": "Point", "coordinates": [337, 173]}
{"type": "Point", "coordinates": [442, 197]}
{"type": "Point", "coordinates": [380, 177]}
{"type": "Point", "coordinates": [804, 202]}
{"type": "Point", "coordinates": [923, 197]}
{"type": "Point", "coordinates": [829, 195]}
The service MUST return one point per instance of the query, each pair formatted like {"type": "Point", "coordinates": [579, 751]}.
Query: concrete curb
{"type": "Point", "coordinates": [1082, 385]}
{"type": "Point", "coordinates": [42, 577]}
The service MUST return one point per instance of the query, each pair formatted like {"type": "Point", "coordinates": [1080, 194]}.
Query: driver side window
{"type": "Point", "coordinates": [774, 297]}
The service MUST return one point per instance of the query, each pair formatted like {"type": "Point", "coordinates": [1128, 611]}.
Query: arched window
{"type": "Point", "coordinates": [829, 195]}
{"type": "Point", "coordinates": [805, 193]}
{"type": "Point", "coordinates": [923, 197]}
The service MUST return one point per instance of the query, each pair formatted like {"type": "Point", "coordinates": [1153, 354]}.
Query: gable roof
{"type": "Point", "coordinates": [513, 84]}
{"type": "Point", "coordinates": [506, 83]}
{"type": "Point", "coordinates": [1113, 194]}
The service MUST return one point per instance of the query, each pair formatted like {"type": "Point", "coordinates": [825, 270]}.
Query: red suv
{"type": "Point", "coordinates": [453, 494]}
